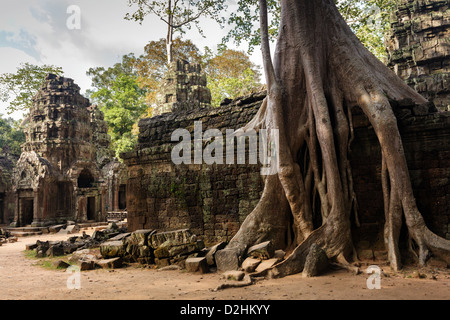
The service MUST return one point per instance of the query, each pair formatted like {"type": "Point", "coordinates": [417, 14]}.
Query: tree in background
{"type": "Point", "coordinates": [19, 88]}
{"type": "Point", "coordinates": [230, 74]}
{"type": "Point", "coordinates": [11, 137]}
{"type": "Point", "coordinates": [177, 15]}
{"type": "Point", "coordinates": [152, 64]}
{"type": "Point", "coordinates": [122, 101]}
{"type": "Point", "coordinates": [369, 20]}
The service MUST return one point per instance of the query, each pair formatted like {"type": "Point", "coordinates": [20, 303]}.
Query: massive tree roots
{"type": "Point", "coordinates": [320, 71]}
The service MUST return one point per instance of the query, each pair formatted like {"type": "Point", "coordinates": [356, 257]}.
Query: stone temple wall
{"type": "Point", "coordinates": [418, 48]}
{"type": "Point", "coordinates": [213, 200]}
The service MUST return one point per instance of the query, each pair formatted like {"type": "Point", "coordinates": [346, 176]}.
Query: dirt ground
{"type": "Point", "coordinates": [22, 279]}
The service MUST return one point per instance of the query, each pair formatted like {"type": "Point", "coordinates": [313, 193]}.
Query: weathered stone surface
{"type": "Point", "coordinates": [31, 246]}
{"type": "Point", "coordinates": [60, 264]}
{"type": "Point", "coordinates": [112, 249]}
{"type": "Point", "coordinates": [227, 260]}
{"type": "Point", "coordinates": [86, 265]}
{"type": "Point", "coordinates": [183, 88]}
{"type": "Point", "coordinates": [249, 265]}
{"type": "Point", "coordinates": [55, 250]}
{"type": "Point", "coordinates": [211, 255]}
{"type": "Point", "coordinates": [178, 237]}
{"type": "Point", "coordinates": [261, 251]}
{"type": "Point", "coordinates": [316, 262]}
{"type": "Point", "coordinates": [196, 265]}
{"type": "Point", "coordinates": [56, 178]}
{"type": "Point", "coordinates": [112, 263]}
{"type": "Point", "coordinates": [418, 51]}
{"type": "Point", "coordinates": [266, 264]}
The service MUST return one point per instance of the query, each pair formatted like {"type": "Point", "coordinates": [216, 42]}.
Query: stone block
{"type": "Point", "coordinates": [112, 249]}
{"type": "Point", "coordinates": [60, 264]}
{"type": "Point", "coordinates": [196, 265]}
{"type": "Point", "coordinates": [266, 264]}
{"type": "Point", "coordinates": [112, 263]}
{"type": "Point", "coordinates": [178, 237]}
{"type": "Point", "coordinates": [211, 255]}
{"type": "Point", "coordinates": [261, 251]}
{"type": "Point", "coordinates": [227, 260]}
{"type": "Point", "coordinates": [250, 264]}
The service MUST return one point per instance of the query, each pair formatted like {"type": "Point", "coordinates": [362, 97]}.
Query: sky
{"type": "Point", "coordinates": [42, 32]}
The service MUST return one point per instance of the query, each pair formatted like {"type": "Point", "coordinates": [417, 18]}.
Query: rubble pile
{"type": "Point", "coordinates": [6, 237]}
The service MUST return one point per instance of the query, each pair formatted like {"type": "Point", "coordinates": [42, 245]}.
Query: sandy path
{"type": "Point", "coordinates": [21, 279]}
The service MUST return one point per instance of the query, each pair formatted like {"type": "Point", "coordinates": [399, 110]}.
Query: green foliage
{"type": "Point", "coordinates": [11, 136]}
{"type": "Point", "coordinates": [232, 87]}
{"type": "Point", "coordinates": [230, 74]}
{"type": "Point", "coordinates": [122, 102]}
{"type": "Point", "coordinates": [244, 23]}
{"type": "Point", "coordinates": [369, 19]}
{"type": "Point", "coordinates": [19, 88]}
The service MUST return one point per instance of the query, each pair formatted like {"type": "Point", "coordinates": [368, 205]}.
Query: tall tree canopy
{"type": "Point", "coordinates": [320, 71]}
{"type": "Point", "coordinates": [177, 15]}
{"type": "Point", "coordinates": [231, 74]}
{"type": "Point", "coordinates": [20, 87]}
{"type": "Point", "coordinates": [369, 20]}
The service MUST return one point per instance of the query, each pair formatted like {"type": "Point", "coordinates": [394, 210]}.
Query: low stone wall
{"type": "Point", "coordinates": [213, 200]}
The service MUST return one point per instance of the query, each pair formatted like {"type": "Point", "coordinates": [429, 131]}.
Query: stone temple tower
{"type": "Point", "coordinates": [183, 88]}
{"type": "Point", "coordinates": [418, 46]}
{"type": "Point", "coordinates": [58, 176]}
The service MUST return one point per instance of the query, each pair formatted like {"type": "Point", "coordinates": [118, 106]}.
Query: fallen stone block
{"type": "Point", "coordinates": [112, 263]}
{"type": "Point", "coordinates": [250, 264]}
{"type": "Point", "coordinates": [227, 260]}
{"type": "Point", "coordinates": [55, 250]}
{"type": "Point", "coordinates": [140, 237]}
{"type": "Point", "coordinates": [266, 264]}
{"type": "Point", "coordinates": [177, 237]}
{"type": "Point", "coordinates": [60, 264]}
{"type": "Point", "coordinates": [85, 265]}
{"type": "Point", "coordinates": [30, 246]}
{"type": "Point", "coordinates": [57, 228]}
{"type": "Point", "coordinates": [196, 265]}
{"type": "Point", "coordinates": [211, 255]}
{"type": "Point", "coordinates": [112, 249]}
{"type": "Point", "coordinates": [261, 251]}
{"type": "Point", "coordinates": [316, 262]}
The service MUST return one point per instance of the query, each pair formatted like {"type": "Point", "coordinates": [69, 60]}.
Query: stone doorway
{"type": "Point", "coordinates": [122, 197]}
{"type": "Point", "coordinates": [26, 211]}
{"type": "Point", "coordinates": [90, 208]}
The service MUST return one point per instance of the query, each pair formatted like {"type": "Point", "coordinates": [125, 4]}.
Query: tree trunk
{"type": "Point", "coordinates": [169, 38]}
{"type": "Point", "coordinates": [319, 72]}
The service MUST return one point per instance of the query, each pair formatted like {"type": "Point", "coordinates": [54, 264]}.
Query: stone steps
{"type": "Point", "coordinates": [27, 231]}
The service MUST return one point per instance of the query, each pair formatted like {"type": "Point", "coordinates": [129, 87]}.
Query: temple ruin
{"type": "Point", "coordinates": [418, 48]}
{"type": "Point", "coordinates": [183, 88]}
{"type": "Point", "coordinates": [58, 176]}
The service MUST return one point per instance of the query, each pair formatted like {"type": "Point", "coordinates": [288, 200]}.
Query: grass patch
{"type": "Point", "coordinates": [47, 262]}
